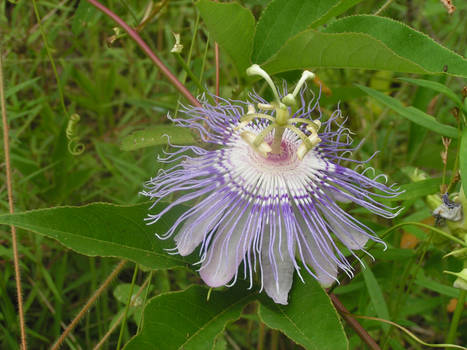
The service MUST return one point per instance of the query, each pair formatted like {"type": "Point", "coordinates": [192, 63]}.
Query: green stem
{"type": "Point", "coordinates": [438, 231]}
{"type": "Point", "coordinates": [122, 326]}
{"type": "Point", "coordinates": [189, 72]}
{"type": "Point", "coordinates": [456, 163]}
{"type": "Point", "coordinates": [276, 143]}
{"type": "Point", "coordinates": [145, 298]}
{"type": "Point", "coordinates": [203, 63]}
{"type": "Point", "coordinates": [456, 317]}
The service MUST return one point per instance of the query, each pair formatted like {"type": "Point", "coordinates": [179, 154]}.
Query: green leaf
{"type": "Point", "coordinates": [376, 296]}
{"type": "Point", "coordinates": [156, 136]}
{"type": "Point", "coordinates": [102, 229]}
{"type": "Point", "coordinates": [411, 113]}
{"type": "Point", "coordinates": [187, 320]}
{"type": "Point", "coordinates": [463, 160]}
{"type": "Point", "coordinates": [430, 284]}
{"type": "Point", "coordinates": [281, 20]}
{"type": "Point", "coordinates": [434, 85]}
{"type": "Point", "coordinates": [418, 189]}
{"type": "Point", "coordinates": [309, 320]}
{"type": "Point", "coordinates": [405, 42]}
{"type": "Point", "coordinates": [337, 50]}
{"type": "Point", "coordinates": [232, 27]}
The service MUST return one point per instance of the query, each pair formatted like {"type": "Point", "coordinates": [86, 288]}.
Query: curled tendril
{"type": "Point", "coordinates": [74, 147]}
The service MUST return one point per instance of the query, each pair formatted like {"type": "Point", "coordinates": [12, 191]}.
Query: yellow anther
{"type": "Point", "coordinates": [266, 106]}
{"type": "Point", "coordinates": [262, 148]}
{"type": "Point", "coordinates": [314, 126]}
{"type": "Point", "coordinates": [305, 147]}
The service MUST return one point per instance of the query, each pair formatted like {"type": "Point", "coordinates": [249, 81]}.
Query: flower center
{"type": "Point", "coordinates": [280, 121]}
{"type": "Point", "coordinates": [285, 159]}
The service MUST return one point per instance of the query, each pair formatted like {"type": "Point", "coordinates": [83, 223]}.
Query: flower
{"type": "Point", "coordinates": [267, 194]}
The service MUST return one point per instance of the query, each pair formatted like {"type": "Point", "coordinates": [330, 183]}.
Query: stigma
{"type": "Point", "coordinates": [276, 117]}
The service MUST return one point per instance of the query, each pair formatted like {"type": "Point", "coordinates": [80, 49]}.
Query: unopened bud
{"type": "Point", "coordinates": [461, 280]}
{"type": "Point", "coordinates": [178, 47]}
{"type": "Point", "coordinates": [458, 253]}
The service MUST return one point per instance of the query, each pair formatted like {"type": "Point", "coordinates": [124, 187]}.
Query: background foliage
{"type": "Point", "coordinates": [366, 63]}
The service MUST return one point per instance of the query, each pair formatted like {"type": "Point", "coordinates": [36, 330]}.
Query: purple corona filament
{"type": "Point", "coordinates": [267, 210]}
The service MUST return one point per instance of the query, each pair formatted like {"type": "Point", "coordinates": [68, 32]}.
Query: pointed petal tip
{"type": "Point", "coordinates": [217, 277]}
{"type": "Point", "coordinates": [280, 300]}
{"type": "Point", "coordinates": [326, 282]}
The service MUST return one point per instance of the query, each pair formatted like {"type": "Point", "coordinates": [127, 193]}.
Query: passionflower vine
{"type": "Point", "coordinates": [268, 193]}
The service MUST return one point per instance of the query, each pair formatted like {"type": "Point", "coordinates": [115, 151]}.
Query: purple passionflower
{"type": "Point", "coordinates": [268, 193]}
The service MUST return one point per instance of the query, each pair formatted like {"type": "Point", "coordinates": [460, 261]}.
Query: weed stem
{"type": "Point", "coordinates": [6, 147]}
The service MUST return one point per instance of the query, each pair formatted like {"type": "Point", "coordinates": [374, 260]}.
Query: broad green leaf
{"type": "Point", "coordinates": [232, 27]}
{"type": "Point", "coordinates": [312, 49]}
{"type": "Point", "coordinates": [188, 320]}
{"type": "Point", "coordinates": [434, 85]}
{"type": "Point", "coordinates": [411, 113]}
{"type": "Point", "coordinates": [463, 160]}
{"type": "Point", "coordinates": [376, 296]}
{"type": "Point", "coordinates": [418, 189]}
{"type": "Point", "coordinates": [156, 136]}
{"type": "Point", "coordinates": [309, 320]}
{"type": "Point", "coordinates": [405, 42]}
{"type": "Point", "coordinates": [102, 229]}
{"type": "Point", "coordinates": [281, 20]}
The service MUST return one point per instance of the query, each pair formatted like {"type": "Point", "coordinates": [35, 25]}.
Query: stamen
{"type": "Point", "coordinates": [309, 142]}
{"type": "Point", "coordinates": [266, 106]}
{"type": "Point", "coordinates": [257, 70]}
{"type": "Point", "coordinates": [249, 117]}
{"type": "Point", "coordinates": [262, 148]}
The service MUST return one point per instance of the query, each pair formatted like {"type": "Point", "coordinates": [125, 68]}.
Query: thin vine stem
{"type": "Point", "coordinates": [216, 52]}
{"type": "Point", "coordinates": [106, 336]}
{"type": "Point", "coordinates": [14, 240]}
{"type": "Point", "coordinates": [189, 72]}
{"type": "Point", "coordinates": [434, 229]}
{"type": "Point", "coordinates": [456, 317]}
{"type": "Point", "coordinates": [352, 322]}
{"type": "Point", "coordinates": [410, 334]}
{"type": "Point", "coordinates": [147, 50]}
{"type": "Point", "coordinates": [88, 304]}
{"type": "Point", "coordinates": [125, 314]}
{"type": "Point", "coordinates": [217, 58]}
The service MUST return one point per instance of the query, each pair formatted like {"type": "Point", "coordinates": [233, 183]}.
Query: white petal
{"type": "Point", "coordinates": [225, 254]}
{"type": "Point", "coordinates": [325, 266]}
{"type": "Point", "coordinates": [278, 273]}
{"type": "Point", "coordinates": [196, 227]}
{"type": "Point", "coordinates": [348, 235]}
